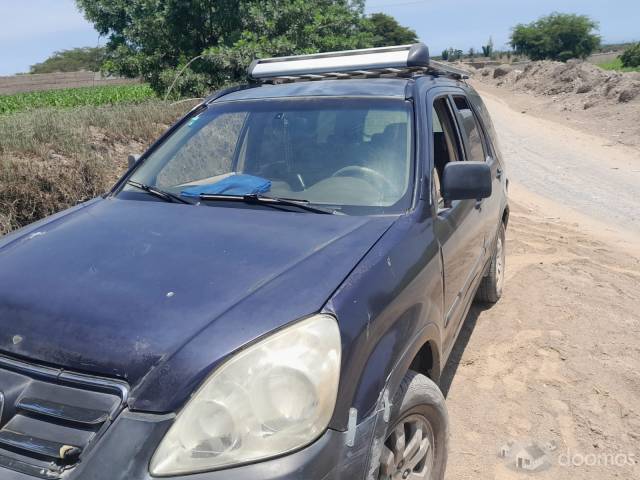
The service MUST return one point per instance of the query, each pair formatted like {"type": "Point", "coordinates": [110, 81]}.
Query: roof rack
{"type": "Point", "coordinates": [400, 61]}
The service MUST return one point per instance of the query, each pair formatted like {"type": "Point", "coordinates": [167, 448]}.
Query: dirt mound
{"type": "Point", "coordinates": [501, 71]}
{"type": "Point", "coordinates": [586, 84]}
{"type": "Point", "coordinates": [605, 103]}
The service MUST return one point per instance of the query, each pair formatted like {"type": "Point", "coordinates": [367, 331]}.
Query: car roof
{"type": "Point", "coordinates": [380, 87]}
{"type": "Point", "coordinates": [370, 87]}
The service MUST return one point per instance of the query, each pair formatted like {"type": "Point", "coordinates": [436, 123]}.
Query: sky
{"type": "Point", "coordinates": [31, 30]}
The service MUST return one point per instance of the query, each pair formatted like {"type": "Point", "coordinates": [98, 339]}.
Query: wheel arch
{"type": "Point", "coordinates": [427, 361]}
{"type": "Point", "coordinates": [423, 356]}
{"type": "Point", "coordinates": [505, 216]}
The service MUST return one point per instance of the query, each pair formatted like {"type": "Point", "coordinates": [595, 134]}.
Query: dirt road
{"type": "Point", "coordinates": [587, 173]}
{"type": "Point", "coordinates": [556, 362]}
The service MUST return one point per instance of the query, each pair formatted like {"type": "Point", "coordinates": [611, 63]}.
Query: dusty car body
{"type": "Point", "coordinates": [116, 313]}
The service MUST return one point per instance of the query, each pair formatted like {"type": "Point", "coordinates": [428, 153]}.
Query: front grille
{"type": "Point", "coordinates": [51, 418]}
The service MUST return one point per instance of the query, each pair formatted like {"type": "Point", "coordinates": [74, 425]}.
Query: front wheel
{"type": "Point", "coordinates": [417, 440]}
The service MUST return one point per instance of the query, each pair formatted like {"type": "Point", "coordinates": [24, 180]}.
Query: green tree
{"type": "Point", "coordinates": [631, 56]}
{"type": "Point", "coordinates": [387, 31]}
{"type": "Point", "coordinates": [87, 58]}
{"type": "Point", "coordinates": [279, 28]}
{"type": "Point", "coordinates": [213, 41]}
{"type": "Point", "coordinates": [558, 36]}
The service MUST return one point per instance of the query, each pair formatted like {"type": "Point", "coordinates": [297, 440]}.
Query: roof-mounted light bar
{"type": "Point", "coordinates": [370, 59]}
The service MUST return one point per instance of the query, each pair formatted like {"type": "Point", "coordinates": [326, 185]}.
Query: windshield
{"type": "Point", "coordinates": [353, 155]}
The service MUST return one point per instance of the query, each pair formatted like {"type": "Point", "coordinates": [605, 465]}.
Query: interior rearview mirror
{"type": "Point", "coordinates": [133, 159]}
{"type": "Point", "coordinates": [466, 181]}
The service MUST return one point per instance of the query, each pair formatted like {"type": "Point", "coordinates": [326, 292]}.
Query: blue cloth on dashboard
{"type": "Point", "coordinates": [238, 184]}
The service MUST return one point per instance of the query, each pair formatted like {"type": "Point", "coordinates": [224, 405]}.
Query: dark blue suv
{"type": "Point", "coordinates": [270, 292]}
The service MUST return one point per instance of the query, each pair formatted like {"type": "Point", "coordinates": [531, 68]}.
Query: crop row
{"type": "Point", "coordinates": [75, 97]}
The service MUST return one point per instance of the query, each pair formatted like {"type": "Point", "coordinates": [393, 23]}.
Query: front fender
{"type": "Point", "coordinates": [388, 307]}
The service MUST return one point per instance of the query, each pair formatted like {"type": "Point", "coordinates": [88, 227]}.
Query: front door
{"type": "Point", "coordinates": [458, 226]}
{"type": "Point", "coordinates": [479, 148]}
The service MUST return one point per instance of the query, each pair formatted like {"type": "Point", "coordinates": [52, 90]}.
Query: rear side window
{"type": "Point", "coordinates": [471, 130]}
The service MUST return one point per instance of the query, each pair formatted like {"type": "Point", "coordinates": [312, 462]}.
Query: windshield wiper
{"type": "Point", "coordinates": [156, 192]}
{"type": "Point", "coordinates": [269, 201]}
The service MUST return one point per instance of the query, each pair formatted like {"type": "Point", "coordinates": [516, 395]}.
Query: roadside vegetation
{"type": "Point", "coordinates": [630, 58]}
{"type": "Point", "coordinates": [616, 64]}
{"type": "Point", "coordinates": [76, 97]}
{"type": "Point", "coordinates": [74, 60]}
{"type": "Point", "coordinates": [628, 61]}
{"type": "Point", "coordinates": [559, 36]}
{"type": "Point", "coordinates": [52, 158]}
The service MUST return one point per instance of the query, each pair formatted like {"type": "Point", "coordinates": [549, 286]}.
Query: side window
{"type": "Point", "coordinates": [471, 130]}
{"type": "Point", "coordinates": [446, 143]}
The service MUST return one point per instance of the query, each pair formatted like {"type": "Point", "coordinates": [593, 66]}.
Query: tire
{"type": "Point", "coordinates": [490, 289]}
{"type": "Point", "coordinates": [418, 405]}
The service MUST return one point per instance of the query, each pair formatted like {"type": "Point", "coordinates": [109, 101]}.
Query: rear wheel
{"type": "Point", "coordinates": [490, 289]}
{"type": "Point", "coordinates": [416, 443]}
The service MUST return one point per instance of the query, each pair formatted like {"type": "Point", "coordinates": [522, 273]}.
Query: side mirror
{"type": "Point", "coordinates": [133, 159]}
{"type": "Point", "coordinates": [466, 181]}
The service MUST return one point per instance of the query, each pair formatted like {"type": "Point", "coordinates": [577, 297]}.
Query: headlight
{"type": "Point", "coordinates": [271, 398]}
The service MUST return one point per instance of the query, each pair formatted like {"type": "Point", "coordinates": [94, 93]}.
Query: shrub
{"type": "Point", "coordinates": [557, 36]}
{"type": "Point", "coordinates": [631, 56]}
{"type": "Point", "coordinates": [86, 58]}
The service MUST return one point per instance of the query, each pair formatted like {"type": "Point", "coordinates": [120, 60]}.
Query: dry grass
{"type": "Point", "coordinates": [51, 159]}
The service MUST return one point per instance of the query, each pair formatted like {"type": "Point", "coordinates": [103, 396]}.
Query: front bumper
{"type": "Point", "coordinates": [125, 451]}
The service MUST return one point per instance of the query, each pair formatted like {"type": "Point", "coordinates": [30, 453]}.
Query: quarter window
{"type": "Point", "coordinates": [471, 130]}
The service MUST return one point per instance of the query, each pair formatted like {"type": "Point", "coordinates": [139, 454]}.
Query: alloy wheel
{"type": "Point", "coordinates": [408, 452]}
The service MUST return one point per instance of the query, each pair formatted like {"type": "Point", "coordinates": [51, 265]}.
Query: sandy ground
{"type": "Point", "coordinates": [557, 361]}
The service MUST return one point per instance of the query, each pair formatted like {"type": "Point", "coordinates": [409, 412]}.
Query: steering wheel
{"type": "Point", "coordinates": [278, 170]}
{"type": "Point", "coordinates": [369, 174]}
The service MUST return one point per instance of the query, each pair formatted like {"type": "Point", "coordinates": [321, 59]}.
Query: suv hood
{"type": "Point", "coordinates": [116, 287]}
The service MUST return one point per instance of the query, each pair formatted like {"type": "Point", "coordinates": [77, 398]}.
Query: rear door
{"type": "Point", "coordinates": [458, 225]}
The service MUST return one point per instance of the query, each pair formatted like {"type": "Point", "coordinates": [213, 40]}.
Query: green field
{"type": "Point", "coordinates": [617, 65]}
{"type": "Point", "coordinates": [75, 97]}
